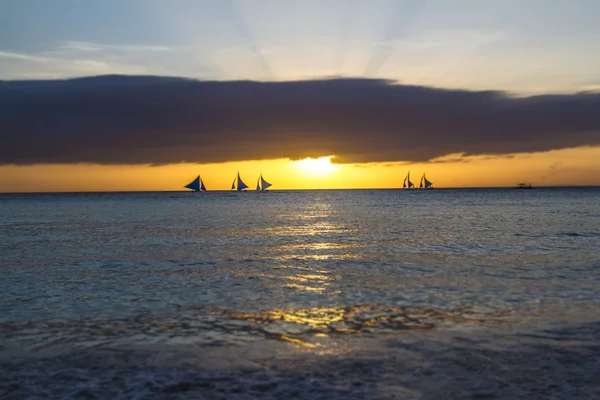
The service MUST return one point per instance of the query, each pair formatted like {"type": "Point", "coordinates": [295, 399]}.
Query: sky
{"type": "Point", "coordinates": [472, 93]}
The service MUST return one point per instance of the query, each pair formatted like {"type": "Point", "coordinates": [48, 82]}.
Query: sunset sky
{"type": "Point", "coordinates": [473, 93]}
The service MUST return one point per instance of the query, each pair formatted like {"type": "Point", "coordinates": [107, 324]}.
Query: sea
{"type": "Point", "coordinates": [324, 294]}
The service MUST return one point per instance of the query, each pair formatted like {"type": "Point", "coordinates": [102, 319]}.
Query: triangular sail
{"type": "Point", "coordinates": [240, 184]}
{"type": "Point", "coordinates": [426, 182]}
{"type": "Point", "coordinates": [264, 184]}
{"type": "Point", "coordinates": [202, 187]}
{"type": "Point", "coordinates": [233, 184]}
{"type": "Point", "coordinates": [194, 185]}
{"type": "Point", "coordinates": [258, 185]}
{"type": "Point", "coordinates": [407, 182]}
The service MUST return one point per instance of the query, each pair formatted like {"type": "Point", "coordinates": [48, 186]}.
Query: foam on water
{"type": "Point", "coordinates": [454, 364]}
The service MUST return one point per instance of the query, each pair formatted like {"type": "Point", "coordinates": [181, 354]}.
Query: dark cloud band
{"type": "Point", "coordinates": [158, 120]}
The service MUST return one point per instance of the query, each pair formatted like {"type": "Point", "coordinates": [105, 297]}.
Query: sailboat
{"type": "Point", "coordinates": [425, 184]}
{"type": "Point", "coordinates": [262, 185]}
{"type": "Point", "coordinates": [240, 184]}
{"type": "Point", "coordinates": [196, 185]}
{"type": "Point", "coordinates": [407, 183]}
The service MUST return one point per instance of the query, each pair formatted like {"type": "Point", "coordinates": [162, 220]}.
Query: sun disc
{"type": "Point", "coordinates": [316, 166]}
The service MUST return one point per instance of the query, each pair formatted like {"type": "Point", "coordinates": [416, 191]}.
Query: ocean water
{"type": "Point", "coordinates": [367, 294]}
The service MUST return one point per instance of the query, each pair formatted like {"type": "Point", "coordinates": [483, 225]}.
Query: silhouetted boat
{"type": "Point", "coordinates": [196, 185]}
{"type": "Point", "coordinates": [523, 186]}
{"type": "Point", "coordinates": [262, 185]}
{"type": "Point", "coordinates": [407, 183]}
{"type": "Point", "coordinates": [238, 184]}
{"type": "Point", "coordinates": [425, 184]}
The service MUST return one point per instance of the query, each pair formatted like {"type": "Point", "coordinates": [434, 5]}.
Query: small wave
{"type": "Point", "coordinates": [532, 235]}
{"type": "Point", "coordinates": [430, 365]}
{"type": "Point", "coordinates": [576, 234]}
{"type": "Point", "coordinates": [198, 326]}
{"type": "Point", "coordinates": [567, 234]}
{"type": "Point", "coordinates": [359, 319]}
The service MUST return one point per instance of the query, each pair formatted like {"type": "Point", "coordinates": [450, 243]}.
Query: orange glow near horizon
{"type": "Point", "coordinates": [566, 167]}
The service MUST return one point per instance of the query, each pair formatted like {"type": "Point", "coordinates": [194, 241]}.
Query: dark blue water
{"type": "Point", "coordinates": [356, 293]}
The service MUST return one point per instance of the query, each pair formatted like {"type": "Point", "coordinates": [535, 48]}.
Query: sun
{"type": "Point", "coordinates": [316, 166]}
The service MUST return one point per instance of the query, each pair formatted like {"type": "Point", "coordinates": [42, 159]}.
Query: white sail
{"type": "Point", "coordinates": [261, 184]}
{"type": "Point", "coordinates": [264, 184]}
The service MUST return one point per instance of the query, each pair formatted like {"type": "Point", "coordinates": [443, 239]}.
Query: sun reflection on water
{"type": "Point", "coordinates": [324, 321]}
{"type": "Point", "coordinates": [314, 229]}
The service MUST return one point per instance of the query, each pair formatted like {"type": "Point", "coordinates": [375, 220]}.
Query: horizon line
{"type": "Point", "coordinates": [305, 190]}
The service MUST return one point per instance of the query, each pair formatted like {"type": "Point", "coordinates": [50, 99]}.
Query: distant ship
{"type": "Point", "coordinates": [407, 183]}
{"type": "Point", "coordinates": [523, 186]}
{"type": "Point", "coordinates": [196, 185]}
{"type": "Point", "coordinates": [262, 185]}
{"type": "Point", "coordinates": [425, 184]}
{"type": "Point", "coordinates": [241, 186]}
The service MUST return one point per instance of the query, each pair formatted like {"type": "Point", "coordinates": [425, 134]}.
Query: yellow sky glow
{"type": "Point", "coordinates": [578, 166]}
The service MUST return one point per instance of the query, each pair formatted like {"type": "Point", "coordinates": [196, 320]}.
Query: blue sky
{"type": "Point", "coordinates": [526, 46]}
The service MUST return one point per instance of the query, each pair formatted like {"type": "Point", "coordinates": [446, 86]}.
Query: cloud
{"type": "Point", "coordinates": [158, 120]}
{"type": "Point", "coordinates": [25, 57]}
{"type": "Point", "coordinates": [69, 59]}
{"type": "Point", "coordinates": [97, 47]}
{"type": "Point", "coordinates": [57, 64]}
{"type": "Point", "coordinates": [590, 88]}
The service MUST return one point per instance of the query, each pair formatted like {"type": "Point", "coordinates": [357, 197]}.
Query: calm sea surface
{"type": "Point", "coordinates": [482, 293]}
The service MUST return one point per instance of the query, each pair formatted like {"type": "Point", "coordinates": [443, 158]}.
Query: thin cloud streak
{"type": "Point", "coordinates": [160, 120]}
{"type": "Point", "coordinates": [63, 63]}
{"type": "Point", "coordinates": [26, 57]}
{"type": "Point", "coordinates": [93, 47]}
